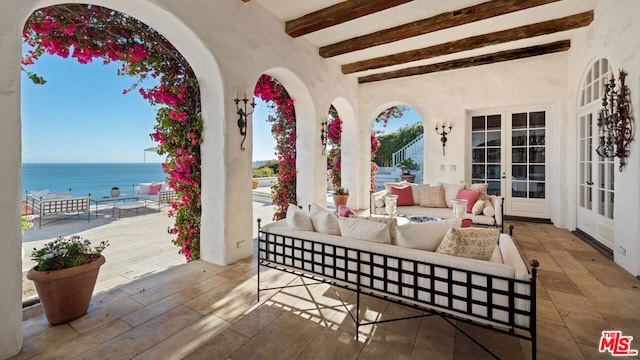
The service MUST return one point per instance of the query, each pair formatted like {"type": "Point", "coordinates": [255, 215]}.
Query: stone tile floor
{"type": "Point", "coordinates": [204, 311]}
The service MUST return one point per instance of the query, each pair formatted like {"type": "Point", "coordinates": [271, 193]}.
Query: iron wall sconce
{"type": "Point", "coordinates": [443, 130]}
{"type": "Point", "coordinates": [243, 115]}
{"type": "Point", "coordinates": [323, 136]}
{"type": "Point", "coordinates": [615, 122]}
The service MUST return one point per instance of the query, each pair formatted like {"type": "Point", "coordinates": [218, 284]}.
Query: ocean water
{"type": "Point", "coordinates": [85, 178]}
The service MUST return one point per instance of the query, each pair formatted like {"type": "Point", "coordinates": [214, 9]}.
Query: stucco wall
{"type": "Point", "coordinates": [451, 95]}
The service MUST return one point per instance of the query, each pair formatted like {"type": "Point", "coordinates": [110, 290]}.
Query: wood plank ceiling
{"type": "Point", "coordinates": [378, 40]}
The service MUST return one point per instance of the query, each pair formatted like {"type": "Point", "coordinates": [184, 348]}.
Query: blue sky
{"type": "Point", "coordinates": [81, 115]}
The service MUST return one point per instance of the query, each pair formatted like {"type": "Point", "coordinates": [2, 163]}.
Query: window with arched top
{"type": "Point", "coordinates": [596, 174]}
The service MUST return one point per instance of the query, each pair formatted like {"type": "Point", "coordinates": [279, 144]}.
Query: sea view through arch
{"type": "Point", "coordinates": [96, 179]}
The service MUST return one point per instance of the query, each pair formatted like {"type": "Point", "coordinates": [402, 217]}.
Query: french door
{"type": "Point", "coordinates": [509, 153]}
{"type": "Point", "coordinates": [595, 184]}
{"type": "Point", "coordinates": [596, 174]}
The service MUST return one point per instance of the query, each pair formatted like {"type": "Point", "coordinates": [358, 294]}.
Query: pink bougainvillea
{"type": "Point", "coordinates": [393, 112]}
{"type": "Point", "coordinates": [334, 141]}
{"type": "Point", "coordinates": [88, 32]}
{"type": "Point", "coordinates": [283, 128]}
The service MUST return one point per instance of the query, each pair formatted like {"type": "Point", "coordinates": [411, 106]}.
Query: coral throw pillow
{"type": "Point", "coordinates": [470, 196]}
{"type": "Point", "coordinates": [345, 211]}
{"type": "Point", "coordinates": [154, 189]}
{"type": "Point", "coordinates": [405, 196]}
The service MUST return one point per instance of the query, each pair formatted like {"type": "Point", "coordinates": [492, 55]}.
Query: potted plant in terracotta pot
{"type": "Point", "coordinates": [340, 197]}
{"type": "Point", "coordinates": [407, 165]}
{"type": "Point", "coordinates": [65, 276]}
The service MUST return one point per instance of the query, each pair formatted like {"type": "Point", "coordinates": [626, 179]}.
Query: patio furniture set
{"type": "Point", "coordinates": [53, 206]}
{"type": "Point", "coordinates": [470, 274]}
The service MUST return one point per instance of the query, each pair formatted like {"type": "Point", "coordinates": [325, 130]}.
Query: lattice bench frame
{"type": "Point", "coordinates": [64, 206]}
{"type": "Point", "coordinates": [385, 276]}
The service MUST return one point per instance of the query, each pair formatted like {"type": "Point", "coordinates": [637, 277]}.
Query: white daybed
{"type": "Point", "coordinates": [47, 204]}
{"type": "Point", "coordinates": [144, 191]}
{"type": "Point", "coordinates": [500, 295]}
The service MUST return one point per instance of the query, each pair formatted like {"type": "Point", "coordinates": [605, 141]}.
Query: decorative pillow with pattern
{"type": "Point", "coordinates": [474, 243]}
{"type": "Point", "coordinates": [432, 197]}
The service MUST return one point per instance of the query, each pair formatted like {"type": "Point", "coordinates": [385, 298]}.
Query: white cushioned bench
{"type": "Point", "coordinates": [498, 294]}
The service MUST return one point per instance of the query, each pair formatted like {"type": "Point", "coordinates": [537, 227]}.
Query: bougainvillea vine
{"type": "Point", "coordinates": [393, 112]}
{"type": "Point", "coordinates": [88, 32]}
{"type": "Point", "coordinates": [334, 155]}
{"type": "Point", "coordinates": [283, 128]}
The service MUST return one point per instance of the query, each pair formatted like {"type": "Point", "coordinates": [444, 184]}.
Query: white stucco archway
{"type": "Point", "coordinates": [376, 112]}
{"type": "Point", "coordinates": [349, 147]}
{"type": "Point", "coordinates": [308, 152]}
{"type": "Point", "coordinates": [210, 80]}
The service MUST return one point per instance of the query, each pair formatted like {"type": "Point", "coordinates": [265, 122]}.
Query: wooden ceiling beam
{"type": "Point", "coordinates": [337, 14]}
{"type": "Point", "coordinates": [474, 42]}
{"type": "Point", "coordinates": [506, 55]}
{"type": "Point", "coordinates": [442, 21]}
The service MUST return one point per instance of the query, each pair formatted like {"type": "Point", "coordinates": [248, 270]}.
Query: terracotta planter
{"type": "Point", "coordinates": [408, 178]}
{"type": "Point", "coordinates": [65, 294]}
{"type": "Point", "coordinates": [340, 200]}
{"type": "Point", "coordinates": [255, 184]}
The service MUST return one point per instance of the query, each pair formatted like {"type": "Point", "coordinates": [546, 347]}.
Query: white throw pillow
{"type": "Point", "coordinates": [362, 229]}
{"type": "Point", "coordinates": [391, 222]}
{"type": "Point", "coordinates": [298, 219]}
{"type": "Point", "coordinates": [379, 202]}
{"type": "Point", "coordinates": [324, 221]}
{"type": "Point", "coordinates": [477, 207]}
{"type": "Point", "coordinates": [488, 210]}
{"type": "Point", "coordinates": [388, 186]}
{"type": "Point", "coordinates": [144, 188]}
{"type": "Point", "coordinates": [474, 243]}
{"type": "Point", "coordinates": [424, 236]}
{"type": "Point", "coordinates": [450, 191]}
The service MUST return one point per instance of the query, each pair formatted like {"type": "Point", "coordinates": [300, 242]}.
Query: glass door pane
{"type": "Point", "coordinates": [528, 158]}
{"type": "Point", "coordinates": [486, 155]}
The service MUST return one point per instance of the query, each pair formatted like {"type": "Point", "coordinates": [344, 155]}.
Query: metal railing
{"type": "Point", "coordinates": [416, 146]}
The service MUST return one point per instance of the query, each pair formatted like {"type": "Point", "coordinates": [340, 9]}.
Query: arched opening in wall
{"type": "Point", "coordinates": [596, 174]}
{"type": "Point", "coordinates": [112, 151]}
{"type": "Point", "coordinates": [398, 133]}
{"type": "Point", "coordinates": [276, 108]}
